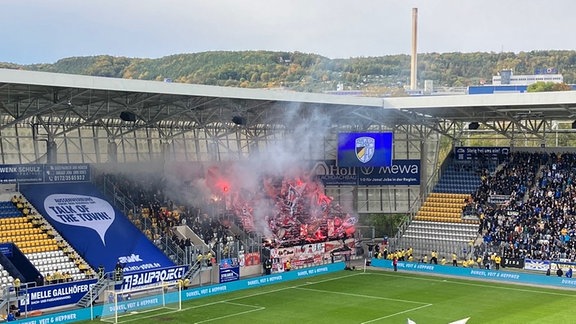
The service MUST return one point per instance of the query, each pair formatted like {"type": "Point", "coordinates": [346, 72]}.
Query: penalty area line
{"type": "Point", "coordinates": [240, 304]}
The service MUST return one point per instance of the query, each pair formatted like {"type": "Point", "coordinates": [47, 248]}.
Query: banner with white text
{"type": "Point", "coordinates": [55, 295]}
{"type": "Point", "coordinates": [99, 232]}
{"type": "Point", "coordinates": [400, 173]}
{"type": "Point", "coordinates": [36, 173]}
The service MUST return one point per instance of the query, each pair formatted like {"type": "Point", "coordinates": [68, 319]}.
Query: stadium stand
{"type": "Point", "coordinates": [524, 208]}
{"type": "Point", "coordinates": [538, 220]}
{"type": "Point", "coordinates": [54, 259]}
{"type": "Point", "coordinates": [157, 215]}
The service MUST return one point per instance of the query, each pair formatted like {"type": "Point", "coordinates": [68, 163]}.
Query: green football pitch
{"type": "Point", "coordinates": [376, 297]}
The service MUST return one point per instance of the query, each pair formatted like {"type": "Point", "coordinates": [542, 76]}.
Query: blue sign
{"type": "Point", "coordinates": [62, 317]}
{"type": "Point", "coordinates": [55, 295]}
{"type": "Point", "coordinates": [229, 274]}
{"type": "Point", "coordinates": [365, 149]}
{"type": "Point", "coordinates": [67, 173]}
{"type": "Point", "coordinates": [464, 153]}
{"type": "Point", "coordinates": [100, 233]}
{"type": "Point", "coordinates": [6, 249]}
{"type": "Point", "coordinates": [17, 173]}
{"type": "Point", "coordinates": [475, 273]}
{"type": "Point", "coordinates": [35, 173]}
{"type": "Point", "coordinates": [400, 173]}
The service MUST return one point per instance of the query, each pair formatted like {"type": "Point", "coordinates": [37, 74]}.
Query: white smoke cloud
{"type": "Point", "coordinates": [290, 148]}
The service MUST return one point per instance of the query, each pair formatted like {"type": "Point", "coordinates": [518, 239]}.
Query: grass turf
{"type": "Point", "coordinates": [375, 297]}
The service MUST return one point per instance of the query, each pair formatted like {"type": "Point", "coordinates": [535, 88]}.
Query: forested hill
{"type": "Point", "coordinates": [311, 72]}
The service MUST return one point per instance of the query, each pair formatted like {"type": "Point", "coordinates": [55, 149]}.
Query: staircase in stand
{"type": "Point", "coordinates": [96, 290]}
{"type": "Point", "coordinates": [440, 225]}
{"type": "Point", "coordinates": [193, 271]}
{"type": "Point", "coordinates": [12, 298]}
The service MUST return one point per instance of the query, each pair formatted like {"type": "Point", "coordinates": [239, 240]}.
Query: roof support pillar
{"type": "Point", "coordinates": [112, 152]}
{"type": "Point", "coordinates": [51, 152]}
{"type": "Point", "coordinates": [423, 169]}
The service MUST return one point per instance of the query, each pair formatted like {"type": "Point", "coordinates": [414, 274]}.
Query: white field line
{"type": "Point", "coordinates": [478, 285]}
{"type": "Point", "coordinates": [362, 296]}
{"type": "Point", "coordinates": [395, 314]}
{"type": "Point", "coordinates": [374, 297]}
{"type": "Point", "coordinates": [257, 308]}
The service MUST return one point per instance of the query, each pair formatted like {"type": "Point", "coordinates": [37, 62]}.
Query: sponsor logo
{"type": "Point", "coordinates": [152, 277]}
{"type": "Point", "coordinates": [367, 170]}
{"type": "Point", "coordinates": [130, 259]}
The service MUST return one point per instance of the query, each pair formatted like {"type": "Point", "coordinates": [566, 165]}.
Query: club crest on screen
{"type": "Point", "coordinates": [365, 147]}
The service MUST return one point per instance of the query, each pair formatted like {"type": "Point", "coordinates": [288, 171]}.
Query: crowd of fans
{"type": "Point", "coordinates": [287, 211]}
{"type": "Point", "coordinates": [293, 211]}
{"type": "Point", "coordinates": [537, 218]}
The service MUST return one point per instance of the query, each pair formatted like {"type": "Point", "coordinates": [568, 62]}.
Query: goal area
{"type": "Point", "coordinates": [162, 297]}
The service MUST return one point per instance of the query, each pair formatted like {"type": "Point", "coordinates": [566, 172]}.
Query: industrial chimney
{"type": "Point", "coordinates": [414, 61]}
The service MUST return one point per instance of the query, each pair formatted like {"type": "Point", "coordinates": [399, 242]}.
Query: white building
{"type": "Point", "coordinates": [506, 77]}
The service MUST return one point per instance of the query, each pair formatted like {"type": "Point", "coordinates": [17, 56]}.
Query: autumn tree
{"type": "Point", "coordinates": [542, 86]}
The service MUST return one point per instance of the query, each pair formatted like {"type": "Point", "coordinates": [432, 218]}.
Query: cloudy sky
{"type": "Point", "coordinates": [41, 31]}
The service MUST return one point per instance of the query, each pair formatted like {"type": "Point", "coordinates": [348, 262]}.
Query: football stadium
{"type": "Point", "coordinates": [145, 201]}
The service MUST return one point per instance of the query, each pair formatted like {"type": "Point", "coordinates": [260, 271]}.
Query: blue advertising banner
{"type": "Point", "coordinates": [475, 273]}
{"type": "Point", "coordinates": [55, 295]}
{"type": "Point", "coordinates": [66, 173]}
{"type": "Point", "coordinates": [35, 173]}
{"type": "Point", "coordinates": [62, 317]}
{"type": "Point", "coordinates": [262, 281]}
{"type": "Point", "coordinates": [400, 173]}
{"type": "Point", "coordinates": [100, 233]}
{"type": "Point", "coordinates": [17, 173]}
{"type": "Point", "coordinates": [229, 274]}
{"type": "Point", "coordinates": [465, 153]}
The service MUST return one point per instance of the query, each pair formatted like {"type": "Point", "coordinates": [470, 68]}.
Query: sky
{"type": "Point", "coordinates": [40, 31]}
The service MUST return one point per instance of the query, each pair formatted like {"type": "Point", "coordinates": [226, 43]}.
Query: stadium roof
{"type": "Point", "coordinates": [26, 95]}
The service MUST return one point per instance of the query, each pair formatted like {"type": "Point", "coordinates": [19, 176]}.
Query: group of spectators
{"type": "Point", "coordinates": [296, 211]}
{"type": "Point", "coordinates": [292, 210]}
{"type": "Point", "coordinates": [156, 213]}
{"type": "Point", "coordinates": [483, 261]}
{"type": "Point", "coordinates": [538, 218]}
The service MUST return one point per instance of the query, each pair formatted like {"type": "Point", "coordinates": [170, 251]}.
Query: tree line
{"type": "Point", "coordinates": [314, 73]}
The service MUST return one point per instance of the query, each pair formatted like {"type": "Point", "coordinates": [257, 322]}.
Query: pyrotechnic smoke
{"type": "Point", "coordinates": [271, 189]}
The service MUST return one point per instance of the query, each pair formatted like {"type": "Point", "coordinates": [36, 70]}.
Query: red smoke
{"type": "Point", "coordinates": [290, 210]}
